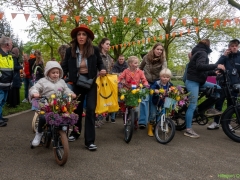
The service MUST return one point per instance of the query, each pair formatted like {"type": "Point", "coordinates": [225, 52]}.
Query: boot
{"type": "Point", "coordinates": [150, 132]}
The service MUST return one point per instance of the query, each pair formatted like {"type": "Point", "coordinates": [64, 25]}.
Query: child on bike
{"type": "Point", "coordinates": [158, 99]}
{"type": "Point", "coordinates": [47, 86]}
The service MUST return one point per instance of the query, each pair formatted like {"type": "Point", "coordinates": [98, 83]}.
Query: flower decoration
{"type": "Point", "coordinates": [60, 109]}
{"type": "Point", "coordinates": [132, 97]}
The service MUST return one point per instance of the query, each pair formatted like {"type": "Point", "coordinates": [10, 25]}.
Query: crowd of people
{"type": "Point", "coordinates": [82, 60]}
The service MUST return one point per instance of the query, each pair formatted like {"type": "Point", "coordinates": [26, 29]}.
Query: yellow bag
{"type": "Point", "coordinates": [107, 94]}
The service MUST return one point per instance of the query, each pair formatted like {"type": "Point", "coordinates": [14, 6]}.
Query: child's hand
{"type": "Point", "coordinates": [36, 95]}
{"type": "Point", "coordinates": [156, 91]}
{"type": "Point", "coordinates": [74, 96]}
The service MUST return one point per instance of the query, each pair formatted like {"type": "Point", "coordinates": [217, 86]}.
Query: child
{"type": "Point", "coordinates": [47, 86]}
{"type": "Point", "coordinates": [133, 76]}
{"type": "Point", "coordinates": [164, 83]}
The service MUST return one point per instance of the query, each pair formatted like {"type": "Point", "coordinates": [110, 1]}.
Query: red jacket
{"type": "Point", "coordinates": [26, 69]}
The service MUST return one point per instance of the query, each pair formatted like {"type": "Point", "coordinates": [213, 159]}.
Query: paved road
{"type": "Point", "coordinates": [143, 158]}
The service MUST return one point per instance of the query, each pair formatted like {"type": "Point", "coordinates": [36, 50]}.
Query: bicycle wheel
{"type": "Point", "coordinates": [35, 122]}
{"type": "Point", "coordinates": [164, 133]}
{"type": "Point", "coordinates": [128, 128]}
{"type": "Point", "coordinates": [230, 125]}
{"type": "Point", "coordinates": [62, 149]}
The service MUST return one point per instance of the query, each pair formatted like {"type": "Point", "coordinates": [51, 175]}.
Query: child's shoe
{"type": "Point", "coordinates": [37, 139]}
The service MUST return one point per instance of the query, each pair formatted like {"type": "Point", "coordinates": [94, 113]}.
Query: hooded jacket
{"type": "Point", "coordinates": [46, 86]}
{"type": "Point", "coordinates": [199, 67]}
{"type": "Point", "coordinates": [119, 68]}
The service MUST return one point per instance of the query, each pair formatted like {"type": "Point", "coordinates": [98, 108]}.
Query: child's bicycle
{"type": "Point", "coordinates": [37, 112]}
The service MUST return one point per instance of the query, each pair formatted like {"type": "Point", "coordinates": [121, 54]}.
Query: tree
{"type": "Point", "coordinates": [234, 4]}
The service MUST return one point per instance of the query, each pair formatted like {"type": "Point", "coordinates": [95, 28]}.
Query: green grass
{"type": "Point", "coordinates": [22, 107]}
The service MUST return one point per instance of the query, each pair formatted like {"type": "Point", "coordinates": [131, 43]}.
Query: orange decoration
{"type": "Point", "coordinates": [207, 20]}
{"type": "Point", "coordinates": [26, 16]}
{"type": "Point", "coordinates": [149, 40]}
{"type": "Point", "coordinates": [184, 21]}
{"type": "Point", "coordinates": [1, 15]}
{"type": "Point", "coordinates": [216, 23]}
{"type": "Point", "coordinates": [89, 18]}
{"type": "Point", "coordinates": [167, 35]}
{"type": "Point", "coordinates": [189, 31]}
{"type": "Point", "coordinates": [77, 18]}
{"type": "Point", "coordinates": [133, 43]}
{"type": "Point", "coordinates": [129, 44]}
{"type": "Point", "coordinates": [13, 15]}
{"type": "Point", "coordinates": [126, 19]}
{"type": "Point", "coordinates": [161, 21]}
{"type": "Point", "coordinates": [114, 19]}
{"type": "Point", "coordinates": [138, 41]}
{"type": "Point", "coordinates": [143, 41]}
{"type": "Point", "coordinates": [124, 44]}
{"type": "Point", "coordinates": [154, 38]}
{"type": "Point", "coordinates": [180, 33]}
{"type": "Point", "coordinates": [160, 37]}
{"type": "Point", "coordinates": [236, 20]}
{"type": "Point", "coordinates": [138, 21]}
{"type": "Point", "coordinates": [149, 20]}
{"type": "Point", "coordinates": [173, 21]}
{"type": "Point", "coordinates": [116, 46]}
{"type": "Point", "coordinates": [120, 45]}
{"type": "Point", "coordinates": [101, 19]}
{"type": "Point", "coordinates": [173, 34]}
{"type": "Point", "coordinates": [195, 20]}
{"type": "Point", "coordinates": [64, 18]}
{"type": "Point", "coordinates": [52, 16]}
{"type": "Point", "coordinates": [197, 29]}
{"type": "Point", "coordinates": [39, 16]}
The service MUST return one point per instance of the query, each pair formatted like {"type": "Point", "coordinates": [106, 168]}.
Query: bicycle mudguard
{"type": "Point", "coordinates": [226, 111]}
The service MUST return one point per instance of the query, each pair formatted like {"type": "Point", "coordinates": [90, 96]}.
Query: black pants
{"type": "Point", "coordinates": [41, 123]}
{"type": "Point", "coordinates": [91, 101]}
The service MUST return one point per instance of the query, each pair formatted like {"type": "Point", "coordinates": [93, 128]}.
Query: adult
{"type": "Point", "coordinates": [36, 67]}
{"type": "Point", "coordinates": [62, 51]}
{"type": "Point", "coordinates": [120, 65]}
{"type": "Point", "coordinates": [83, 59]}
{"type": "Point", "coordinates": [14, 93]}
{"type": "Point", "coordinates": [6, 73]}
{"type": "Point", "coordinates": [197, 72]}
{"type": "Point", "coordinates": [153, 62]}
{"type": "Point", "coordinates": [104, 46]}
{"type": "Point", "coordinates": [231, 61]}
{"type": "Point", "coordinates": [26, 76]}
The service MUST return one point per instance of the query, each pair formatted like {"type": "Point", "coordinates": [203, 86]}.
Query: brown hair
{"type": "Point", "coordinates": [62, 51]}
{"type": "Point", "coordinates": [102, 42]}
{"type": "Point", "coordinates": [205, 41]}
{"type": "Point", "coordinates": [38, 55]}
{"type": "Point", "coordinates": [151, 56]}
{"type": "Point", "coordinates": [87, 48]}
{"type": "Point", "coordinates": [15, 52]}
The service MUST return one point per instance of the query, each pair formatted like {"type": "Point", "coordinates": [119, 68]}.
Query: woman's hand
{"type": "Point", "coordinates": [36, 95]}
{"type": "Point", "coordinates": [74, 96]}
{"type": "Point", "coordinates": [103, 72]}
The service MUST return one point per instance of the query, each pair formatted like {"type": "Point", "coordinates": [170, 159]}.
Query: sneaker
{"type": "Point", "coordinates": [213, 112]}
{"type": "Point", "coordinates": [191, 133]}
{"type": "Point", "coordinates": [37, 139]}
{"type": "Point", "coordinates": [91, 147]}
{"type": "Point", "coordinates": [71, 138]}
{"type": "Point", "coordinates": [2, 123]}
{"type": "Point", "coordinates": [214, 125]}
{"type": "Point", "coordinates": [142, 126]}
{"type": "Point", "coordinates": [107, 118]}
{"type": "Point", "coordinates": [231, 128]}
{"type": "Point", "coordinates": [113, 121]}
{"type": "Point", "coordinates": [5, 119]}
{"type": "Point", "coordinates": [25, 101]}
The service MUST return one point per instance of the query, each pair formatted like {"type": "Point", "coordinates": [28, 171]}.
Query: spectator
{"type": "Point", "coordinates": [120, 65]}
{"type": "Point", "coordinates": [26, 76]}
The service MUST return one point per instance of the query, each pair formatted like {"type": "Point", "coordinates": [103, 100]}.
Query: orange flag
{"type": "Point", "coordinates": [143, 41]}
{"type": "Point", "coordinates": [126, 19]}
{"type": "Point", "coordinates": [13, 15]}
{"type": "Point", "coordinates": [189, 31]}
{"type": "Point", "coordinates": [124, 44]}
{"type": "Point", "coordinates": [195, 20]}
{"type": "Point", "coordinates": [77, 18]}
{"type": "Point", "coordinates": [138, 41]}
{"type": "Point", "coordinates": [173, 34]}
{"type": "Point", "coordinates": [216, 23]}
{"type": "Point", "coordinates": [116, 46]}
{"type": "Point", "coordinates": [26, 16]}
{"type": "Point", "coordinates": [114, 19]}
{"type": "Point", "coordinates": [236, 20]}
{"type": "Point", "coordinates": [160, 37]}
{"type": "Point", "coordinates": [89, 18]}
{"type": "Point", "coordinates": [64, 18]}
{"type": "Point", "coordinates": [52, 16]}
{"type": "Point", "coordinates": [207, 21]}
{"type": "Point", "coordinates": [161, 21]}
{"type": "Point", "coordinates": [121, 45]}
{"type": "Point", "coordinates": [184, 21]}
{"type": "Point", "coordinates": [1, 15]}
{"type": "Point", "coordinates": [149, 20]}
{"type": "Point", "coordinates": [180, 33]}
{"type": "Point", "coordinates": [167, 35]}
{"type": "Point", "coordinates": [101, 19]}
{"type": "Point", "coordinates": [39, 16]}
{"type": "Point", "coordinates": [154, 38]}
{"type": "Point", "coordinates": [138, 21]}
{"type": "Point", "coordinates": [173, 21]}
{"type": "Point", "coordinates": [149, 40]}
{"type": "Point", "coordinates": [197, 29]}
{"type": "Point", "coordinates": [129, 44]}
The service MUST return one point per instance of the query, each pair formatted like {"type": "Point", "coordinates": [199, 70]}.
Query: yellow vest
{"type": "Point", "coordinates": [6, 63]}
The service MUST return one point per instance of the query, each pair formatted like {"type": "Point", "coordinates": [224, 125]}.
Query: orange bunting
{"type": "Point", "coordinates": [167, 35]}
{"type": "Point", "coordinates": [39, 16]}
{"type": "Point", "coordinates": [160, 37]}
{"type": "Point", "coordinates": [189, 31]}
{"type": "Point", "coordinates": [101, 19]}
{"type": "Point", "coordinates": [89, 18]}
{"type": "Point", "coordinates": [114, 19]}
{"type": "Point", "coordinates": [77, 18]}
{"type": "Point", "coordinates": [52, 16]}
{"type": "Point", "coordinates": [184, 21]}
{"type": "Point", "coordinates": [126, 19]}
{"type": "Point", "coordinates": [138, 41]}
{"type": "Point", "coordinates": [173, 34]}
{"type": "Point", "coordinates": [26, 16]}
{"type": "Point", "coordinates": [180, 33]}
{"type": "Point", "coordinates": [236, 20]}
{"type": "Point", "coordinates": [1, 15]}
{"type": "Point", "coordinates": [129, 44]}
{"type": "Point", "coordinates": [149, 20]}
{"type": "Point", "coordinates": [195, 20]}
{"type": "Point", "coordinates": [121, 45]}
{"type": "Point", "coordinates": [216, 23]}
{"type": "Point", "coordinates": [116, 46]}
{"type": "Point", "coordinates": [138, 21]}
{"type": "Point", "coordinates": [143, 41]}
{"type": "Point", "coordinates": [149, 40]}
{"type": "Point", "coordinates": [124, 45]}
{"type": "Point", "coordinates": [13, 15]}
{"type": "Point", "coordinates": [154, 38]}
{"type": "Point", "coordinates": [64, 18]}
{"type": "Point", "coordinates": [197, 29]}
{"type": "Point", "coordinates": [133, 43]}
{"type": "Point", "coordinates": [161, 21]}
{"type": "Point", "coordinates": [173, 21]}
{"type": "Point", "coordinates": [112, 47]}
{"type": "Point", "coordinates": [207, 21]}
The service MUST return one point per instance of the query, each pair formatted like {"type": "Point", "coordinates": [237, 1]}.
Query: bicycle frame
{"type": "Point", "coordinates": [161, 115]}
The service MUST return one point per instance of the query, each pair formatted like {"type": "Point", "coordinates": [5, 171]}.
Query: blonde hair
{"type": "Point", "coordinates": [165, 71]}
{"type": "Point", "coordinates": [131, 59]}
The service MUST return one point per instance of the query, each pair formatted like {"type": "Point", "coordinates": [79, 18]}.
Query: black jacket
{"type": "Point", "coordinates": [94, 63]}
{"type": "Point", "coordinates": [199, 67]}
{"type": "Point", "coordinates": [17, 82]}
{"type": "Point", "coordinates": [119, 68]}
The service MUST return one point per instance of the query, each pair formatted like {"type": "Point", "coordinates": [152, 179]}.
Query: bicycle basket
{"type": "Point", "coordinates": [131, 100]}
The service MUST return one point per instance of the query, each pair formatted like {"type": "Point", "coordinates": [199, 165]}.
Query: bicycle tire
{"type": "Point", "coordinates": [35, 122]}
{"type": "Point", "coordinates": [162, 136]}
{"type": "Point", "coordinates": [229, 118]}
{"type": "Point", "coordinates": [62, 150]}
{"type": "Point", "coordinates": [46, 138]}
{"type": "Point", "coordinates": [128, 128]}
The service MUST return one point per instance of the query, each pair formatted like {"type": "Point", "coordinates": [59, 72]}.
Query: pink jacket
{"type": "Point", "coordinates": [129, 77]}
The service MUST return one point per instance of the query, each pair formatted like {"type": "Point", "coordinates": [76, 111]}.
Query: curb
{"type": "Point", "coordinates": [11, 115]}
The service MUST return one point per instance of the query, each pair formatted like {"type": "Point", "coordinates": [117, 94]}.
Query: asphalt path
{"type": "Point", "coordinates": [212, 156]}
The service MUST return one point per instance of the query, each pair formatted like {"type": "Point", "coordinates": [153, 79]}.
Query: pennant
{"type": "Point", "coordinates": [143, 41]}
{"type": "Point", "coordinates": [167, 35]}
{"type": "Point", "coordinates": [126, 19]}
{"type": "Point", "coordinates": [160, 37]}
{"type": "Point", "coordinates": [189, 31]}
{"type": "Point", "coordinates": [77, 18]}
{"type": "Point", "coordinates": [116, 46]}
{"type": "Point", "coordinates": [89, 18]}
{"type": "Point", "coordinates": [101, 19]}
{"type": "Point", "coordinates": [195, 20]}
{"type": "Point", "coordinates": [138, 41]}
{"type": "Point", "coordinates": [64, 18]}
{"type": "Point", "coordinates": [112, 47]}
{"type": "Point", "coordinates": [39, 16]}
{"type": "Point", "coordinates": [149, 40]}
{"type": "Point", "coordinates": [207, 21]}
{"type": "Point", "coordinates": [133, 43]}
{"type": "Point", "coordinates": [13, 15]}
{"type": "Point", "coordinates": [154, 38]}
{"type": "Point", "coordinates": [129, 44]}
{"type": "Point", "coordinates": [114, 19]}
{"type": "Point", "coordinates": [121, 45]}
{"type": "Point", "coordinates": [184, 21]}
{"type": "Point", "coordinates": [149, 20]}
{"type": "Point", "coordinates": [124, 44]}
{"type": "Point", "coordinates": [173, 21]}
{"type": "Point", "coordinates": [216, 23]}
{"type": "Point", "coordinates": [1, 15]}
{"type": "Point", "coordinates": [161, 21]}
{"type": "Point", "coordinates": [236, 20]}
{"type": "Point", "coordinates": [180, 33]}
{"type": "Point", "coordinates": [197, 29]}
{"type": "Point", "coordinates": [26, 16]}
{"type": "Point", "coordinates": [52, 16]}
{"type": "Point", "coordinates": [173, 34]}
{"type": "Point", "coordinates": [138, 21]}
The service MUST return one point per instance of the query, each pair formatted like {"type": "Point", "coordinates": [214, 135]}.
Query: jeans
{"type": "Point", "coordinates": [193, 88]}
{"type": "Point", "coordinates": [3, 99]}
{"type": "Point", "coordinates": [26, 82]}
{"type": "Point", "coordinates": [144, 110]}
